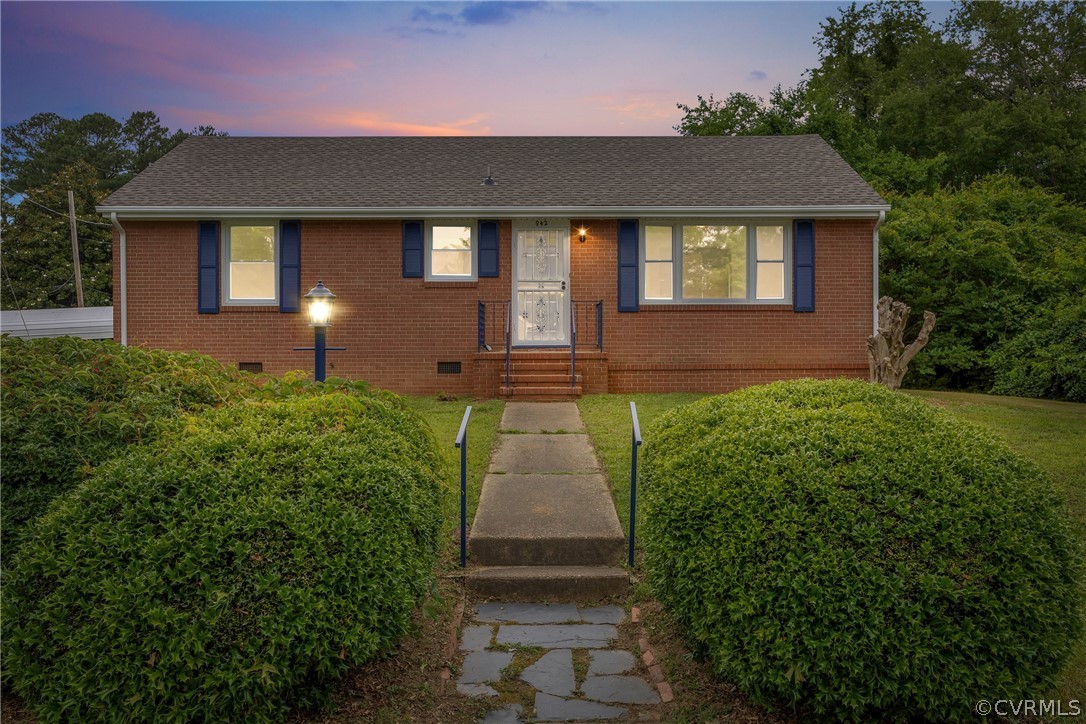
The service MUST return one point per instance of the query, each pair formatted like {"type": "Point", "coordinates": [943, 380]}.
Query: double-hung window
{"type": "Point", "coordinates": [714, 261]}
{"type": "Point", "coordinates": [450, 251]}
{"type": "Point", "coordinates": [250, 255]}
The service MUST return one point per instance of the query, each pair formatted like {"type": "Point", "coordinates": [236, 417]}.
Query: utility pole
{"type": "Point", "coordinates": [75, 250]}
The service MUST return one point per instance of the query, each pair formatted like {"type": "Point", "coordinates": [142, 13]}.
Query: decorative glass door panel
{"type": "Point", "coordinates": [540, 286]}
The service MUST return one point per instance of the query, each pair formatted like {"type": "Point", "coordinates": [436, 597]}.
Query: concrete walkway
{"type": "Point", "coordinates": [546, 530]}
{"type": "Point", "coordinates": [546, 527]}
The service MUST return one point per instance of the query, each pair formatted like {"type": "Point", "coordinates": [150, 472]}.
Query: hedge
{"type": "Point", "coordinates": [68, 404]}
{"type": "Point", "coordinates": [231, 571]}
{"type": "Point", "coordinates": [857, 553]}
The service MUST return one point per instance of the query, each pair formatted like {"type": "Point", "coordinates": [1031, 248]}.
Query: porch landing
{"type": "Point", "coordinates": [546, 526]}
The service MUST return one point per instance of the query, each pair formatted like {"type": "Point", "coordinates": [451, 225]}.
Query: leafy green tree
{"type": "Point", "coordinates": [37, 250]}
{"type": "Point", "coordinates": [44, 156]}
{"type": "Point", "coordinates": [994, 260]}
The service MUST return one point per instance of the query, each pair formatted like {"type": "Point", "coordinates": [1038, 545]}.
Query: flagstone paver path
{"type": "Point", "coordinates": [607, 691]}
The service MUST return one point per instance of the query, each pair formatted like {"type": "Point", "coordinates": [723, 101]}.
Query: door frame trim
{"type": "Point", "coordinates": [552, 222]}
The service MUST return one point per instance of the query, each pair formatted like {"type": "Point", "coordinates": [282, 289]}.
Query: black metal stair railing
{"type": "Point", "coordinates": [494, 321]}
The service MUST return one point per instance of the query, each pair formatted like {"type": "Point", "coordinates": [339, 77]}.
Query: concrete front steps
{"type": "Point", "coordinates": [546, 527]}
{"type": "Point", "coordinates": [548, 583]}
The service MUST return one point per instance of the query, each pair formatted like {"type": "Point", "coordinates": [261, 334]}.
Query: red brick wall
{"type": "Point", "coordinates": [396, 329]}
{"type": "Point", "coordinates": [716, 348]}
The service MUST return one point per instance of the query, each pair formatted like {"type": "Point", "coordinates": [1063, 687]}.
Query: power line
{"type": "Point", "coordinates": [26, 196]}
{"type": "Point", "coordinates": [15, 298]}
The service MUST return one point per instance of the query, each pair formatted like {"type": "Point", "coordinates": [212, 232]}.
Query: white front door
{"type": "Point", "coordinates": [541, 283]}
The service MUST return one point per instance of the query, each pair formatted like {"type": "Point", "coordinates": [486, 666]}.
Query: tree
{"type": "Point", "coordinates": [994, 260]}
{"type": "Point", "coordinates": [44, 156]}
{"type": "Point", "coordinates": [37, 249]}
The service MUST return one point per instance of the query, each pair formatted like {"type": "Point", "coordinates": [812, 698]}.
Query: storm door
{"type": "Point", "coordinates": [541, 283]}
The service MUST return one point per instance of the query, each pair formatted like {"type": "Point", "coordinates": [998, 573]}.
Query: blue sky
{"type": "Point", "coordinates": [401, 68]}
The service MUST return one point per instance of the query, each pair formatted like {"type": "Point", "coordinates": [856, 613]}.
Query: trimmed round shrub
{"type": "Point", "coordinates": [232, 570]}
{"type": "Point", "coordinates": [857, 552]}
{"type": "Point", "coordinates": [69, 404]}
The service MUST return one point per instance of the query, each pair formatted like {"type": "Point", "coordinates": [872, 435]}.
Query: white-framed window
{"type": "Point", "coordinates": [715, 261]}
{"type": "Point", "coordinates": [250, 250]}
{"type": "Point", "coordinates": [452, 250]}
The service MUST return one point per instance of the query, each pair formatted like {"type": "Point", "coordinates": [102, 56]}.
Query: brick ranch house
{"type": "Point", "coordinates": [498, 266]}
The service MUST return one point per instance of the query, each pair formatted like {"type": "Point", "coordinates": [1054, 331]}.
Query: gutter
{"type": "Point", "coordinates": [507, 212]}
{"type": "Point", "coordinates": [875, 272]}
{"type": "Point", "coordinates": [124, 276]}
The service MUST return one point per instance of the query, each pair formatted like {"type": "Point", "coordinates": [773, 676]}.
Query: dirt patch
{"type": "Point", "coordinates": [699, 695]}
{"type": "Point", "coordinates": [407, 684]}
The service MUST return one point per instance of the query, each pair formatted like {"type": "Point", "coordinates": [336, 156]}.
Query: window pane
{"type": "Point", "coordinates": [451, 237]}
{"type": "Point", "coordinates": [714, 262]}
{"type": "Point", "coordinates": [456, 262]}
{"type": "Point", "coordinates": [658, 280]}
{"type": "Point", "coordinates": [771, 280]}
{"type": "Point", "coordinates": [252, 279]}
{"type": "Point", "coordinates": [658, 243]}
{"type": "Point", "coordinates": [771, 243]}
{"type": "Point", "coordinates": [252, 243]}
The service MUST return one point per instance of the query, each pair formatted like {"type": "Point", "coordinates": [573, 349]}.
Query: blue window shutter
{"type": "Point", "coordinates": [803, 256]}
{"type": "Point", "coordinates": [290, 266]}
{"type": "Point", "coordinates": [412, 248]}
{"type": "Point", "coordinates": [207, 267]}
{"type": "Point", "coordinates": [488, 248]}
{"type": "Point", "coordinates": [628, 288]}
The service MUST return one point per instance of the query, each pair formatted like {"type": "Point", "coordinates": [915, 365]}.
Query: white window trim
{"type": "Point", "coordinates": [225, 226]}
{"type": "Point", "coordinates": [428, 241]}
{"type": "Point", "coordinates": [752, 259]}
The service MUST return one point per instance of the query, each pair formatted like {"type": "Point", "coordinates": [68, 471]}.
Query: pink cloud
{"type": "Point", "coordinates": [327, 121]}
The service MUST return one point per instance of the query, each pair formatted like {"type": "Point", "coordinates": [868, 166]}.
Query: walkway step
{"type": "Point", "coordinates": [541, 366]}
{"type": "Point", "coordinates": [539, 583]}
{"type": "Point", "coordinates": [540, 393]}
{"type": "Point", "coordinates": [526, 520]}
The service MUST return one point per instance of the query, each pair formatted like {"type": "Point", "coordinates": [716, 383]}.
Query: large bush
{"type": "Point", "coordinates": [230, 571]}
{"type": "Point", "coordinates": [857, 552]}
{"type": "Point", "coordinates": [1000, 263]}
{"type": "Point", "coordinates": [69, 404]}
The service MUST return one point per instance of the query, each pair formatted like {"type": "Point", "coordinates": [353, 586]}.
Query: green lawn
{"type": "Point", "coordinates": [607, 418]}
{"type": "Point", "coordinates": [444, 418]}
{"type": "Point", "coordinates": [1052, 434]}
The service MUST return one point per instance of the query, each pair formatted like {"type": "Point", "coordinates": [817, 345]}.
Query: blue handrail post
{"type": "Point", "coordinates": [635, 442]}
{"type": "Point", "coordinates": [599, 325]}
{"type": "Point", "coordinates": [573, 345]}
{"type": "Point", "coordinates": [482, 325]}
{"type": "Point", "coordinates": [462, 444]}
{"type": "Point", "coordinates": [508, 340]}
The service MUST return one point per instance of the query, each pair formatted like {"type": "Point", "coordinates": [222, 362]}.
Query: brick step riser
{"type": "Point", "coordinates": [537, 371]}
{"type": "Point", "coordinates": [546, 552]}
{"type": "Point", "coordinates": [536, 378]}
{"type": "Point", "coordinates": [541, 394]}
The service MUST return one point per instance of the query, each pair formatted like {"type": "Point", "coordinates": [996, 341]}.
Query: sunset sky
{"type": "Point", "coordinates": [400, 68]}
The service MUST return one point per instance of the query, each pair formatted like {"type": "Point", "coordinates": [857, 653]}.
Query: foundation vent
{"type": "Point", "coordinates": [251, 366]}
{"type": "Point", "coordinates": [448, 368]}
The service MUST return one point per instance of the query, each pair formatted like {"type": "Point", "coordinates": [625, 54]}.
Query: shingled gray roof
{"type": "Point", "coordinates": [538, 173]}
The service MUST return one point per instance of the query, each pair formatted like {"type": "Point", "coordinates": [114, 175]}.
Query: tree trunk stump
{"type": "Point", "coordinates": [887, 356]}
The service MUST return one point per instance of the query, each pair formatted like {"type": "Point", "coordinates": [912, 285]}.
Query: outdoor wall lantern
{"type": "Point", "coordinates": [319, 299]}
{"type": "Point", "coordinates": [582, 234]}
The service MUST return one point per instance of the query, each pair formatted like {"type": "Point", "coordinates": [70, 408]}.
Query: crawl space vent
{"type": "Point", "coordinates": [448, 368]}
{"type": "Point", "coordinates": [251, 366]}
